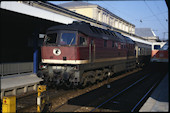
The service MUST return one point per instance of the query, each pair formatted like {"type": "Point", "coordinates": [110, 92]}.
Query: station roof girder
{"type": "Point", "coordinates": [36, 12]}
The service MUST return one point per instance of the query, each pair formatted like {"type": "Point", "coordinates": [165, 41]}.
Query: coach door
{"type": "Point", "coordinates": [92, 51]}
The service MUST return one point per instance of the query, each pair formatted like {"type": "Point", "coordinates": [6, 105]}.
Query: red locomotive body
{"type": "Point", "coordinates": [79, 54]}
{"type": "Point", "coordinates": [102, 50]}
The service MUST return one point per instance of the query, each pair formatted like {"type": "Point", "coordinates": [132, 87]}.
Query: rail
{"type": "Point", "coordinates": [144, 96]}
{"type": "Point", "coordinates": [119, 93]}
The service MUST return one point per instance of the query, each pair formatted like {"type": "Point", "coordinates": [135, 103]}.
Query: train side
{"type": "Point", "coordinates": [81, 54]}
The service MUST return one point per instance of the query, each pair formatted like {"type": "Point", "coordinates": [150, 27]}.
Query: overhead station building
{"type": "Point", "coordinates": [100, 14]}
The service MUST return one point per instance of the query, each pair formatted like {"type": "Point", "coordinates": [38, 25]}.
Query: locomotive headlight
{"type": "Point", "coordinates": [56, 51]}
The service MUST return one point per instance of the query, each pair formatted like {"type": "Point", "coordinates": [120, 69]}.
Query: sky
{"type": "Point", "coordinates": [142, 13]}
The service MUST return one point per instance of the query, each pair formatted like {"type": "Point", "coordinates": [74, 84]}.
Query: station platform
{"type": "Point", "coordinates": [159, 99]}
{"type": "Point", "coordinates": [19, 84]}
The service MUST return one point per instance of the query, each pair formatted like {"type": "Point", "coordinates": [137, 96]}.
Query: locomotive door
{"type": "Point", "coordinates": [92, 51]}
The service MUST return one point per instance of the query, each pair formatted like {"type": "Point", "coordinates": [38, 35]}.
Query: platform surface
{"type": "Point", "coordinates": [159, 99]}
{"type": "Point", "coordinates": [12, 81]}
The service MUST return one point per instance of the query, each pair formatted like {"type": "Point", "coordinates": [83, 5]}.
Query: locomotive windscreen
{"type": "Point", "coordinates": [62, 38]}
{"type": "Point", "coordinates": [68, 39]}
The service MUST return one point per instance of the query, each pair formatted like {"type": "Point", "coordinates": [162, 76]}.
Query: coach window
{"type": "Point", "coordinates": [82, 41]}
{"type": "Point", "coordinates": [138, 51]}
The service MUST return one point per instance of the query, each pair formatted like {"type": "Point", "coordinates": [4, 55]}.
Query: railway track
{"type": "Point", "coordinates": [118, 100]}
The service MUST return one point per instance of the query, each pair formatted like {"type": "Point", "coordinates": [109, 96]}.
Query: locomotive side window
{"type": "Point", "coordinates": [82, 41]}
{"type": "Point", "coordinates": [113, 44]}
{"type": "Point", "coordinates": [50, 38]}
{"type": "Point", "coordinates": [68, 39]}
{"type": "Point", "coordinates": [105, 43]}
{"type": "Point", "coordinates": [116, 45]}
{"type": "Point", "coordinates": [121, 45]}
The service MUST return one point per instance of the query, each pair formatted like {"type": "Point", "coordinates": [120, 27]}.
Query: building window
{"type": "Point", "coordinates": [111, 21]}
{"type": "Point", "coordinates": [108, 19]}
{"type": "Point", "coordinates": [120, 24]}
{"type": "Point", "coordinates": [126, 28]}
{"type": "Point", "coordinates": [74, 10]}
{"type": "Point", "coordinates": [130, 29]}
{"type": "Point", "coordinates": [105, 17]}
{"type": "Point", "coordinates": [116, 23]}
{"type": "Point", "coordinates": [123, 26]}
{"type": "Point", "coordinates": [99, 15]}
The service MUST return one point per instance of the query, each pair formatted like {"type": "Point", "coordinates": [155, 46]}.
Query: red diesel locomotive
{"type": "Point", "coordinates": [81, 54]}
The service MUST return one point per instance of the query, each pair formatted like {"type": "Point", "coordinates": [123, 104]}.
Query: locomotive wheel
{"type": "Point", "coordinates": [99, 76]}
{"type": "Point", "coordinates": [91, 77]}
{"type": "Point", "coordinates": [105, 74]}
{"type": "Point", "coordinates": [88, 77]}
{"type": "Point", "coordinates": [68, 84]}
{"type": "Point", "coordinates": [84, 84]}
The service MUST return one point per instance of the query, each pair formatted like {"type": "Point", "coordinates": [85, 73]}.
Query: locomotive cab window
{"type": "Point", "coordinates": [68, 39]}
{"type": "Point", "coordinates": [82, 41]}
{"type": "Point", "coordinates": [50, 38]}
{"type": "Point", "coordinates": [157, 47]}
{"type": "Point", "coordinates": [105, 43]}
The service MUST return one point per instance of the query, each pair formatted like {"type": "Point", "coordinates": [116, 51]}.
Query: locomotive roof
{"type": "Point", "coordinates": [89, 30]}
{"type": "Point", "coordinates": [130, 41]}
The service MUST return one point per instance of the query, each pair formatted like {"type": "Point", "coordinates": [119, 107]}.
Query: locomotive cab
{"type": "Point", "coordinates": [62, 47]}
